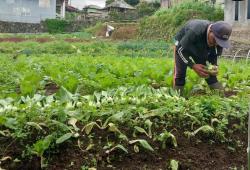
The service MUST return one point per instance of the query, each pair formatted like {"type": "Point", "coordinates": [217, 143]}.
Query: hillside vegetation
{"type": "Point", "coordinates": [166, 22]}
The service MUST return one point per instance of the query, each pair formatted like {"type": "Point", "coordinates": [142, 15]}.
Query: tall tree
{"type": "Point", "coordinates": [130, 2]}
{"type": "Point", "coordinates": [133, 2]}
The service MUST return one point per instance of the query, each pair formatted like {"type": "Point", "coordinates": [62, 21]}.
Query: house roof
{"type": "Point", "coordinates": [119, 4]}
{"type": "Point", "coordinates": [71, 9]}
{"type": "Point", "coordinates": [92, 7]}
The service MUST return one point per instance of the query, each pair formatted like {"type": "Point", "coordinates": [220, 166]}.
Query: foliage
{"type": "Point", "coordinates": [143, 48]}
{"type": "Point", "coordinates": [121, 16]}
{"type": "Point", "coordinates": [131, 2]}
{"type": "Point", "coordinates": [111, 102]}
{"type": "Point", "coordinates": [71, 16]}
{"type": "Point", "coordinates": [93, 29]}
{"type": "Point", "coordinates": [147, 9]}
{"type": "Point", "coordinates": [139, 108]}
{"type": "Point", "coordinates": [135, 65]}
{"type": "Point", "coordinates": [166, 22]}
{"type": "Point", "coordinates": [56, 25]}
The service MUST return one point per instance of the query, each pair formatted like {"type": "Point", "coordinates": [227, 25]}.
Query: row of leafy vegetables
{"type": "Point", "coordinates": [129, 100]}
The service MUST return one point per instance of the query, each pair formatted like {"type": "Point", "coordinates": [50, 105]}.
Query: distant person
{"type": "Point", "coordinates": [109, 31]}
{"type": "Point", "coordinates": [198, 42]}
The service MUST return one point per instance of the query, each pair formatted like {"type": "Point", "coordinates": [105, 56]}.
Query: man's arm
{"type": "Point", "coordinates": [198, 68]}
{"type": "Point", "coordinates": [184, 56]}
{"type": "Point", "coordinates": [184, 47]}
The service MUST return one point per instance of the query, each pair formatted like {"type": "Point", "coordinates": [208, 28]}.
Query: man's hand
{"type": "Point", "coordinates": [200, 70]}
{"type": "Point", "coordinates": [212, 69]}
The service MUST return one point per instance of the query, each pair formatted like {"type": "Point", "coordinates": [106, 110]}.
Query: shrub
{"type": "Point", "coordinates": [165, 22]}
{"type": "Point", "coordinates": [121, 16]}
{"type": "Point", "coordinates": [147, 9]}
{"type": "Point", "coordinates": [94, 29]}
{"type": "Point", "coordinates": [56, 25]}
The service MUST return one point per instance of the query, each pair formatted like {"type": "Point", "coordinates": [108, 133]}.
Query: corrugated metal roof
{"type": "Point", "coordinates": [120, 4]}
{"type": "Point", "coordinates": [93, 7]}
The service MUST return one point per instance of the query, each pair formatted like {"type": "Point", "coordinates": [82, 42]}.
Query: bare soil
{"type": "Point", "coordinates": [51, 88]}
{"type": "Point", "coordinates": [14, 39]}
{"type": "Point", "coordinates": [193, 154]}
{"type": "Point", "coordinates": [121, 32]}
{"type": "Point", "coordinates": [39, 40]}
{"type": "Point", "coordinates": [125, 33]}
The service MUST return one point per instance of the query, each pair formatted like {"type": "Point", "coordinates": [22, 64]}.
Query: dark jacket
{"type": "Point", "coordinates": [192, 41]}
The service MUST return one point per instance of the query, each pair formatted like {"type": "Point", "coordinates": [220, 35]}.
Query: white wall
{"type": "Point", "coordinates": [229, 13]}
{"type": "Point", "coordinates": [27, 11]}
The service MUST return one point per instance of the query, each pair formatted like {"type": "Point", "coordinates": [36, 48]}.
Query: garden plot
{"type": "Point", "coordinates": [92, 105]}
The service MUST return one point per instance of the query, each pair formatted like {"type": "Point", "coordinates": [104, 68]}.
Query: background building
{"type": "Point", "coordinates": [31, 11]}
{"type": "Point", "coordinates": [237, 12]}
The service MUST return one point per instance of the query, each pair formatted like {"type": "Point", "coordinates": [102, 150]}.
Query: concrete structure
{"type": "Point", "coordinates": [60, 8]}
{"type": "Point", "coordinates": [237, 12]}
{"type": "Point", "coordinates": [31, 11]}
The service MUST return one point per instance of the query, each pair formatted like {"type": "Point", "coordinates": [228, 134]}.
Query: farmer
{"type": "Point", "coordinates": [196, 43]}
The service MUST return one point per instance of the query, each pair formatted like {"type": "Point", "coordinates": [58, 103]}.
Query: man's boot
{"type": "Point", "coordinates": [216, 86]}
{"type": "Point", "coordinates": [179, 89]}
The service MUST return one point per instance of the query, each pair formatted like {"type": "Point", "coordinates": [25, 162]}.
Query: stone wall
{"type": "Point", "coordinates": [16, 27]}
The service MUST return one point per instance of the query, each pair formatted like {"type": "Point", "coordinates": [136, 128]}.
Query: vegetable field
{"type": "Point", "coordinates": [95, 104]}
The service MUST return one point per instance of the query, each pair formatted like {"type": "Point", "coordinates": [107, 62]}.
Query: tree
{"type": "Point", "coordinates": [132, 2]}
{"type": "Point", "coordinates": [109, 2]}
{"type": "Point", "coordinates": [147, 9]}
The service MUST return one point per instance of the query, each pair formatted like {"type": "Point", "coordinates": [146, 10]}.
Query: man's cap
{"type": "Point", "coordinates": [222, 31]}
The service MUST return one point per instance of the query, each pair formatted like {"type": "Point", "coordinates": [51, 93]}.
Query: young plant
{"type": "Point", "coordinates": [212, 69]}
{"type": "Point", "coordinates": [41, 146]}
